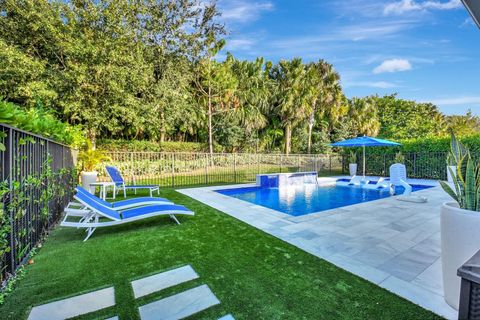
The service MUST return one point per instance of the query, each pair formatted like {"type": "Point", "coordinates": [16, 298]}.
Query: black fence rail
{"type": "Point", "coordinates": [427, 165]}
{"type": "Point", "coordinates": [37, 177]}
{"type": "Point", "coordinates": [189, 169]}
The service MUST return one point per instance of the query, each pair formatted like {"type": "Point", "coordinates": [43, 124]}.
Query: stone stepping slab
{"type": "Point", "coordinates": [160, 281]}
{"type": "Point", "coordinates": [75, 306]}
{"type": "Point", "coordinates": [227, 317]}
{"type": "Point", "coordinates": [180, 305]}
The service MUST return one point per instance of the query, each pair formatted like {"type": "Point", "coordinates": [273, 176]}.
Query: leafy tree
{"type": "Point", "coordinates": [290, 96]}
{"type": "Point", "coordinates": [216, 85]}
{"type": "Point", "coordinates": [464, 125]}
{"type": "Point", "coordinates": [363, 117]}
{"type": "Point", "coordinates": [402, 119]}
{"type": "Point", "coordinates": [324, 93]}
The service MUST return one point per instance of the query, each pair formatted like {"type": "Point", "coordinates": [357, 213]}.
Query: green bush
{"type": "Point", "coordinates": [152, 146]}
{"type": "Point", "coordinates": [426, 145]}
{"type": "Point", "coordinates": [38, 121]}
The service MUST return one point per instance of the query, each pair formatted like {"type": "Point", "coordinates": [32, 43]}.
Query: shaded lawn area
{"type": "Point", "coordinates": [254, 275]}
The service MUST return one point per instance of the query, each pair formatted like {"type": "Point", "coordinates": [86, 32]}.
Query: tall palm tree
{"type": "Point", "coordinates": [363, 116]}
{"type": "Point", "coordinates": [291, 101]}
{"type": "Point", "coordinates": [324, 93]}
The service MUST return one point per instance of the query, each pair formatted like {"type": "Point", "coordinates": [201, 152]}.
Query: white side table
{"type": "Point", "coordinates": [103, 188]}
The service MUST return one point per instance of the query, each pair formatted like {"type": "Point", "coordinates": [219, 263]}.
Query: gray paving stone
{"type": "Point", "coordinates": [112, 318]}
{"type": "Point", "coordinates": [227, 317]}
{"type": "Point", "coordinates": [160, 281]}
{"type": "Point", "coordinates": [74, 306]}
{"type": "Point", "coordinates": [306, 234]}
{"type": "Point", "coordinates": [179, 306]}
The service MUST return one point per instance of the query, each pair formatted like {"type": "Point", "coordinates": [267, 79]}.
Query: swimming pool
{"type": "Point", "coordinates": [309, 198]}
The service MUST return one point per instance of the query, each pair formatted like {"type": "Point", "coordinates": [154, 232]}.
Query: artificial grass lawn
{"type": "Point", "coordinates": [254, 275]}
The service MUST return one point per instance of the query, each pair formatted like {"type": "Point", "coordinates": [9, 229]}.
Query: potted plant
{"type": "Point", "coordinates": [352, 166]}
{"type": "Point", "coordinates": [89, 159]}
{"type": "Point", "coordinates": [459, 219]}
{"type": "Point", "coordinates": [399, 158]}
{"type": "Point", "coordinates": [451, 168]}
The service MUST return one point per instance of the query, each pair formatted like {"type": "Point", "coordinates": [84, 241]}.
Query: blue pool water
{"type": "Point", "coordinates": [309, 198]}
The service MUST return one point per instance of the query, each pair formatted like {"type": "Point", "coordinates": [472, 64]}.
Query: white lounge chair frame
{"type": "Point", "coordinates": [89, 218]}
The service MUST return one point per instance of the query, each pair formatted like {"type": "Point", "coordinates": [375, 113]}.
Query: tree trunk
{"type": "Point", "coordinates": [162, 128]}
{"type": "Point", "coordinates": [92, 136]}
{"type": "Point", "coordinates": [310, 126]}
{"type": "Point", "coordinates": [310, 129]}
{"type": "Point", "coordinates": [210, 130]}
{"type": "Point", "coordinates": [288, 135]}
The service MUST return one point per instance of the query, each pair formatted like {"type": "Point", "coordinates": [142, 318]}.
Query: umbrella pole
{"type": "Point", "coordinates": [363, 161]}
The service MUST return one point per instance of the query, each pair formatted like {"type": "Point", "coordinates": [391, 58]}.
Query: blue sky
{"type": "Point", "coordinates": [425, 50]}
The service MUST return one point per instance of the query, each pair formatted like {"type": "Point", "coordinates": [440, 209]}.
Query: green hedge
{"type": "Point", "coordinates": [424, 145]}
{"type": "Point", "coordinates": [153, 146]}
{"type": "Point", "coordinates": [38, 121]}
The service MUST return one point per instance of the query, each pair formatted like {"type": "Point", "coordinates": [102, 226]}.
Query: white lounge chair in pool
{"type": "Point", "coordinates": [358, 180]}
{"type": "Point", "coordinates": [398, 177]}
{"type": "Point", "coordinates": [382, 183]}
{"type": "Point", "coordinates": [117, 178]}
{"type": "Point", "coordinates": [93, 211]}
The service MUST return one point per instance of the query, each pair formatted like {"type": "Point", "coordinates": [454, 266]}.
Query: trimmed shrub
{"type": "Point", "coordinates": [149, 146]}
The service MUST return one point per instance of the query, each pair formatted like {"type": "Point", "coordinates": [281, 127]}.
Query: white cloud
{"type": "Point", "coordinates": [393, 65]}
{"type": "Point", "coordinates": [405, 6]}
{"type": "Point", "coordinates": [243, 11]}
{"type": "Point", "coordinates": [457, 101]}
{"type": "Point", "coordinates": [373, 84]}
{"type": "Point", "coordinates": [234, 44]}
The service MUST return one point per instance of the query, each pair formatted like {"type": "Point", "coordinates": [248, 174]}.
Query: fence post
{"type": "Point", "coordinates": [206, 167]}
{"type": "Point", "coordinates": [10, 195]}
{"type": "Point", "coordinates": [132, 166]}
{"type": "Point", "coordinates": [281, 163]}
{"type": "Point", "coordinates": [330, 163]}
{"type": "Point", "coordinates": [173, 170]}
{"type": "Point", "coordinates": [384, 164]}
{"type": "Point", "coordinates": [298, 163]}
{"type": "Point", "coordinates": [415, 164]}
{"type": "Point", "coordinates": [235, 167]}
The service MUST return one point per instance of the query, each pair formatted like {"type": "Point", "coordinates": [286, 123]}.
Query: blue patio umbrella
{"type": "Point", "coordinates": [365, 141]}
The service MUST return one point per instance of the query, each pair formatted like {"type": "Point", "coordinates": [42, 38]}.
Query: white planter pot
{"type": "Point", "coordinates": [352, 168]}
{"type": "Point", "coordinates": [460, 233]}
{"type": "Point", "coordinates": [449, 175]}
{"type": "Point", "coordinates": [87, 178]}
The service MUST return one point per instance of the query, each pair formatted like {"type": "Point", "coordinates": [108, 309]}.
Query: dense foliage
{"type": "Point", "coordinates": [149, 146]}
{"type": "Point", "coordinates": [41, 122]}
{"type": "Point", "coordinates": [149, 70]}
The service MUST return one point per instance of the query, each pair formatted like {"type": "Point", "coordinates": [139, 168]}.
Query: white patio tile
{"type": "Point", "coordinates": [74, 306]}
{"type": "Point", "coordinates": [179, 306]}
{"type": "Point", "coordinates": [160, 281]}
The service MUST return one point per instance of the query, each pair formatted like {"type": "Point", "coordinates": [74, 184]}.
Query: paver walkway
{"type": "Point", "coordinates": [177, 306]}
{"type": "Point", "coordinates": [391, 243]}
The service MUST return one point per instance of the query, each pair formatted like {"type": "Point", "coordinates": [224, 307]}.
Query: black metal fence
{"type": "Point", "coordinates": [421, 165]}
{"type": "Point", "coordinates": [36, 181]}
{"type": "Point", "coordinates": [188, 169]}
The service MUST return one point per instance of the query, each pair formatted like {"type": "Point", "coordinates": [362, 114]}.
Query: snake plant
{"type": "Point", "coordinates": [467, 178]}
{"type": "Point", "coordinates": [352, 157]}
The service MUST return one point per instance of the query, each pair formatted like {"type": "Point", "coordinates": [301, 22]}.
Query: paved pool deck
{"type": "Point", "coordinates": [392, 243]}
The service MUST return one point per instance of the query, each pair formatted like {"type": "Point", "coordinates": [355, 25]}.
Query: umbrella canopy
{"type": "Point", "coordinates": [365, 141]}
